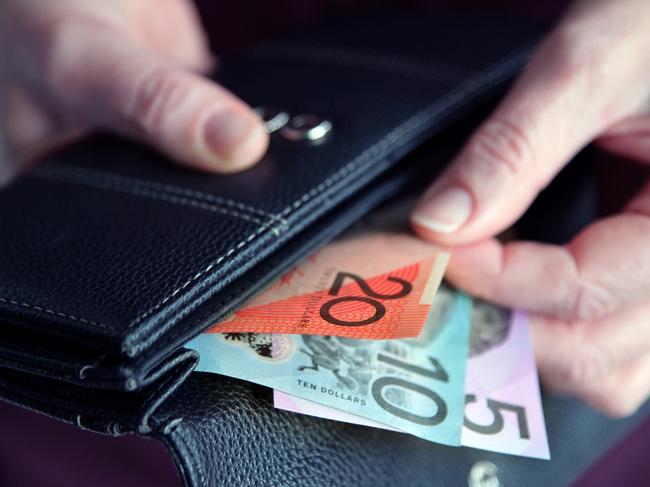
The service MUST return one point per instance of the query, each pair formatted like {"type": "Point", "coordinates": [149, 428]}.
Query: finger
{"type": "Point", "coordinates": [108, 82]}
{"type": "Point", "coordinates": [31, 132]}
{"type": "Point", "coordinates": [575, 353]}
{"type": "Point", "coordinates": [604, 267]}
{"type": "Point", "coordinates": [617, 395]}
{"type": "Point", "coordinates": [188, 47]}
{"type": "Point", "coordinates": [29, 124]}
{"type": "Point", "coordinates": [622, 392]}
{"type": "Point", "coordinates": [605, 362]}
{"type": "Point", "coordinates": [576, 85]}
{"type": "Point", "coordinates": [630, 138]}
{"type": "Point", "coordinates": [599, 374]}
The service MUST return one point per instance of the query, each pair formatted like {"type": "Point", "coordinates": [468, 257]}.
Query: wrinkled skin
{"type": "Point", "coordinates": [130, 66]}
{"type": "Point", "coordinates": [590, 299]}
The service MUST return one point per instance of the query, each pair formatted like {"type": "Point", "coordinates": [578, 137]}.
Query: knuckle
{"type": "Point", "coordinates": [154, 96]}
{"type": "Point", "coordinates": [503, 147]}
{"type": "Point", "coordinates": [591, 302]}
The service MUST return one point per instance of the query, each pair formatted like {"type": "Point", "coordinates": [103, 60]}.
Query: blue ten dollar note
{"type": "Point", "coordinates": [416, 385]}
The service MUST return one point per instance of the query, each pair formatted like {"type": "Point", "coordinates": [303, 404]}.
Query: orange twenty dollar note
{"type": "Point", "coordinates": [377, 286]}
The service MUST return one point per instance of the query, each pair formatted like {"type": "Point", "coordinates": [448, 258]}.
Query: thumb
{"type": "Point", "coordinates": [562, 101]}
{"type": "Point", "coordinates": [108, 82]}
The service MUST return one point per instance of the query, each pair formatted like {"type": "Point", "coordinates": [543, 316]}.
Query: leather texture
{"type": "Point", "coordinates": [113, 257]}
{"type": "Point", "coordinates": [230, 434]}
{"type": "Point", "coordinates": [101, 410]}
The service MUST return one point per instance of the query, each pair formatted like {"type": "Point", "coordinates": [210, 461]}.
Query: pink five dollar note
{"type": "Point", "coordinates": [503, 407]}
{"type": "Point", "coordinates": [377, 286]}
{"type": "Point", "coordinates": [503, 410]}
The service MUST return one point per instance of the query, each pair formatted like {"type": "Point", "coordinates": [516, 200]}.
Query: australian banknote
{"type": "Point", "coordinates": [503, 409]}
{"type": "Point", "coordinates": [375, 285]}
{"type": "Point", "coordinates": [417, 385]}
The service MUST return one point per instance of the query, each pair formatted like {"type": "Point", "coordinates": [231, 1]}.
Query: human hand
{"type": "Point", "coordinates": [590, 299]}
{"type": "Point", "coordinates": [129, 66]}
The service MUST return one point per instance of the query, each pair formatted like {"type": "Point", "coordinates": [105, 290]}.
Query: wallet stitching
{"type": "Point", "coordinates": [178, 200]}
{"type": "Point", "coordinates": [52, 312]}
{"type": "Point", "coordinates": [360, 161]}
{"type": "Point", "coordinates": [364, 59]}
{"type": "Point", "coordinates": [410, 124]}
{"type": "Point", "coordinates": [235, 292]}
{"type": "Point", "coordinates": [104, 178]}
{"type": "Point", "coordinates": [199, 274]}
{"type": "Point", "coordinates": [492, 71]}
{"type": "Point", "coordinates": [20, 366]}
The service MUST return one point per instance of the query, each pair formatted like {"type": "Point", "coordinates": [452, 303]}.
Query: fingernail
{"type": "Point", "coordinates": [445, 211]}
{"type": "Point", "coordinates": [227, 130]}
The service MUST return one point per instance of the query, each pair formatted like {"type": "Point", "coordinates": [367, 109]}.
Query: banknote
{"type": "Point", "coordinates": [377, 285]}
{"type": "Point", "coordinates": [413, 384]}
{"type": "Point", "coordinates": [295, 404]}
{"type": "Point", "coordinates": [503, 410]}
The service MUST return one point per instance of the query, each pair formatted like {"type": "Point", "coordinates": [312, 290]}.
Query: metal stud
{"type": "Point", "coordinates": [306, 127]}
{"type": "Point", "coordinates": [483, 474]}
{"type": "Point", "coordinates": [274, 118]}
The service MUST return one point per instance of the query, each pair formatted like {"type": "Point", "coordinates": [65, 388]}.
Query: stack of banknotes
{"type": "Point", "coordinates": [365, 332]}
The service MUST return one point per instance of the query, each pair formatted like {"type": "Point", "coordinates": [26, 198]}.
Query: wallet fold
{"type": "Point", "coordinates": [113, 257]}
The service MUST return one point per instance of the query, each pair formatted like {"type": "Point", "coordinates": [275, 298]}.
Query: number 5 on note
{"type": "Point", "coordinates": [503, 408]}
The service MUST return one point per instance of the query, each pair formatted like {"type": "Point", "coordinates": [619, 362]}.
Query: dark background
{"type": "Point", "coordinates": [233, 24]}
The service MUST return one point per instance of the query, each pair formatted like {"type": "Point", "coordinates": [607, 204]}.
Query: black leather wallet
{"type": "Point", "coordinates": [112, 258]}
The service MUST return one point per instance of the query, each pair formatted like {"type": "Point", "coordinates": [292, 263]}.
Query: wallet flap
{"type": "Point", "coordinates": [111, 250]}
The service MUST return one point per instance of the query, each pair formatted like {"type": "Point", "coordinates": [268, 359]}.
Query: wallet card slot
{"type": "Point", "coordinates": [100, 410]}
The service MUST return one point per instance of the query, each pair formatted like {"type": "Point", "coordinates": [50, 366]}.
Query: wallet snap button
{"type": "Point", "coordinates": [274, 118]}
{"type": "Point", "coordinates": [483, 474]}
{"type": "Point", "coordinates": [306, 127]}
